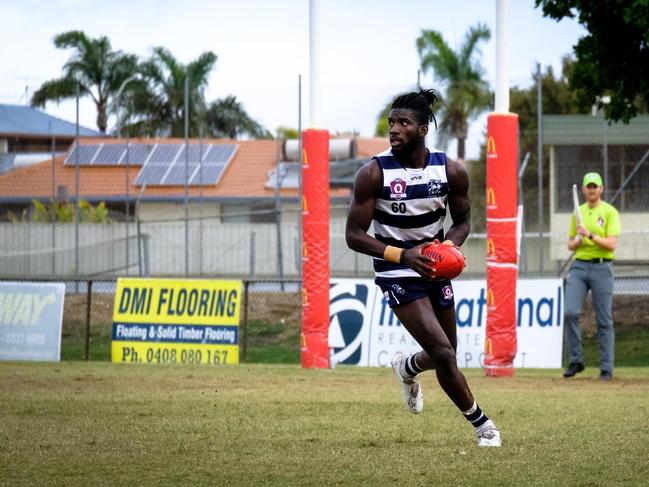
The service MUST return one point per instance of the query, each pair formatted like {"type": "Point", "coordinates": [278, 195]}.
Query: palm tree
{"type": "Point", "coordinates": [156, 107]}
{"type": "Point", "coordinates": [467, 93]}
{"type": "Point", "coordinates": [226, 117]}
{"type": "Point", "coordinates": [94, 67]}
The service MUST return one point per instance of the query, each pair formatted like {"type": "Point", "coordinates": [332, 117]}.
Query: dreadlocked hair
{"type": "Point", "coordinates": [420, 102]}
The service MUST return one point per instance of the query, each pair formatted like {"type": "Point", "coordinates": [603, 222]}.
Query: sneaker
{"type": "Point", "coordinates": [605, 375]}
{"type": "Point", "coordinates": [573, 369]}
{"type": "Point", "coordinates": [410, 388]}
{"type": "Point", "coordinates": [488, 435]}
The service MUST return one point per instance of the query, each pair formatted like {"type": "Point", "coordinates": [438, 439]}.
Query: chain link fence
{"type": "Point", "coordinates": [270, 320]}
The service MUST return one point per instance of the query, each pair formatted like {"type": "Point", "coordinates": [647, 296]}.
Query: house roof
{"type": "Point", "coordinates": [30, 122]}
{"type": "Point", "coordinates": [245, 177]}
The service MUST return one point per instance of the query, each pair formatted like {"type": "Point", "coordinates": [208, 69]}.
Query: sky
{"type": "Point", "coordinates": [367, 50]}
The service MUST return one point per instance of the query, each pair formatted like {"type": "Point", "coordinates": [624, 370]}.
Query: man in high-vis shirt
{"type": "Point", "coordinates": [593, 242]}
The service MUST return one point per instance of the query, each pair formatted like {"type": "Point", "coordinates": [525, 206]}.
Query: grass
{"type": "Point", "coordinates": [631, 348]}
{"type": "Point", "coordinates": [76, 423]}
{"type": "Point", "coordinates": [279, 343]}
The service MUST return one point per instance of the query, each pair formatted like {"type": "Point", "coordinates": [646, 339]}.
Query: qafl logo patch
{"type": "Point", "coordinates": [397, 189]}
{"type": "Point", "coordinates": [447, 291]}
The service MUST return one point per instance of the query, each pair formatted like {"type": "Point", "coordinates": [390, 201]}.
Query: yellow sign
{"type": "Point", "coordinates": [176, 321]}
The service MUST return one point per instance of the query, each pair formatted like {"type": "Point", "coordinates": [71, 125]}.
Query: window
{"type": "Point", "coordinates": [573, 161]}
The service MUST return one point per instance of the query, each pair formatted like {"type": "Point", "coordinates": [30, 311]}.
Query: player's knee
{"type": "Point", "coordinates": [443, 356]}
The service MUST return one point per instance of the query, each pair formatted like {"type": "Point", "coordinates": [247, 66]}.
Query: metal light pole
{"type": "Point", "coordinates": [118, 97]}
{"type": "Point", "coordinates": [76, 192]}
{"type": "Point", "coordinates": [187, 174]}
{"type": "Point", "coordinates": [539, 157]}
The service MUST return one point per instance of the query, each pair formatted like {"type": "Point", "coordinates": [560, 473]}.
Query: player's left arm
{"type": "Point", "coordinates": [459, 203]}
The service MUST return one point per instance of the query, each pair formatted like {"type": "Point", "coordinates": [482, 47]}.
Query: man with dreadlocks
{"type": "Point", "coordinates": [405, 192]}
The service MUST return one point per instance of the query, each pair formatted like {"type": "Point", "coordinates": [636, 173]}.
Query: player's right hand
{"type": "Point", "coordinates": [419, 263]}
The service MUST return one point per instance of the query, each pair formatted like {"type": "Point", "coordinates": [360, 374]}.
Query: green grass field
{"type": "Point", "coordinates": [77, 423]}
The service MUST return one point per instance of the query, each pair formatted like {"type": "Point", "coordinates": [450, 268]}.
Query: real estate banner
{"type": "Point", "coordinates": [176, 321]}
{"type": "Point", "coordinates": [31, 315]}
{"type": "Point", "coordinates": [364, 331]}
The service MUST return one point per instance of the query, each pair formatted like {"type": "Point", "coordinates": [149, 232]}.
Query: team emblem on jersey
{"type": "Point", "coordinates": [600, 221]}
{"type": "Point", "coordinates": [448, 292]}
{"type": "Point", "coordinates": [398, 189]}
{"type": "Point", "coordinates": [434, 187]}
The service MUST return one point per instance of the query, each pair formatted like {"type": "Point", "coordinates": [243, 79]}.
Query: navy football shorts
{"type": "Point", "coordinates": [404, 290]}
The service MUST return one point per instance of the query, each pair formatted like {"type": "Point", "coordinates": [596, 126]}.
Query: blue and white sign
{"type": "Point", "coordinates": [364, 331]}
{"type": "Point", "coordinates": [30, 320]}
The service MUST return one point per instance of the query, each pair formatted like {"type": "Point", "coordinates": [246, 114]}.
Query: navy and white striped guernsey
{"type": "Point", "coordinates": [410, 209]}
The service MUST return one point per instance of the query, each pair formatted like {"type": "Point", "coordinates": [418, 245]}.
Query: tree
{"type": "Point", "coordinates": [94, 67]}
{"type": "Point", "coordinates": [613, 58]}
{"type": "Point", "coordinates": [381, 129]}
{"type": "Point", "coordinates": [226, 117]}
{"type": "Point", "coordinates": [287, 133]}
{"type": "Point", "coordinates": [467, 93]}
{"type": "Point", "coordinates": [156, 106]}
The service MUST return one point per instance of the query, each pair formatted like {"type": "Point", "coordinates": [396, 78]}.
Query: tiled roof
{"type": "Point", "coordinates": [368, 147]}
{"type": "Point", "coordinates": [28, 121]}
{"type": "Point", "coordinates": [244, 177]}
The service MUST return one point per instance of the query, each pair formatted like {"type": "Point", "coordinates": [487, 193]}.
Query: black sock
{"type": "Point", "coordinates": [411, 367]}
{"type": "Point", "coordinates": [475, 416]}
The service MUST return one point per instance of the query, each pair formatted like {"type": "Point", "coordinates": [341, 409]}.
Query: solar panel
{"type": "Point", "coordinates": [220, 153]}
{"type": "Point", "coordinates": [109, 155]}
{"type": "Point", "coordinates": [137, 154]}
{"type": "Point", "coordinates": [115, 154]}
{"type": "Point", "coordinates": [150, 173]}
{"type": "Point", "coordinates": [86, 154]}
{"type": "Point", "coordinates": [164, 153]}
{"type": "Point", "coordinates": [195, 153]}
{"type": "Point", "coordinates": [166, 166]}
{"type": "Point", "coordinates": [177, 175]}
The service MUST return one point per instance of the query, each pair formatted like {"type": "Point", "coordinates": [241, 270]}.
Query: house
{"type": "Point", "coordinates": [231, 207]}
{"type": "Point", "coordinates": [109, 169]}
{"type": "Point", "coordinates": [28, 136]}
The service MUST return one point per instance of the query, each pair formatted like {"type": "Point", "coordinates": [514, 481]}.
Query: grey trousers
{"type": "Point", "coordinates": [598, 278]}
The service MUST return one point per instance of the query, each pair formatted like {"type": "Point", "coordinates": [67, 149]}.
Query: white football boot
{"type": "Point", "coordinates": [488, 435]}
{"type": "Point", "coordinates": [410, 387]}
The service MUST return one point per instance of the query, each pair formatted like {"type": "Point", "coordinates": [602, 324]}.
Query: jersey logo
{"type": "Point", "coordinates": [398, 189]}
{"type": "Point", "coordinates": [398, 289]}
{"type": "Point", "coordinates": [448, 292]}
{"type": "Point", "coordinates": [600, 221]}
{"type": "Point", "coordinates": [434, 187]}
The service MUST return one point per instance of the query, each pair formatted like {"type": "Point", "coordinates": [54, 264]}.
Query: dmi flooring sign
{"type": "Point", "coordinates": [364, 331]}
{"type": "Point", "coordinates": [30, 320]}
{"type": "Point", "coordinates": [177, 321]}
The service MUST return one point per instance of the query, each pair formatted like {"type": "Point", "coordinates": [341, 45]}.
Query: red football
{"type": "Point", "coordinates": [448, 261]}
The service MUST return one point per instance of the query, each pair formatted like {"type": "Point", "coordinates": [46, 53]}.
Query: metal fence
{"type": "Point", "coordinates": [271, 316]}
{"type": "Point", "coordinates": [271, 313]}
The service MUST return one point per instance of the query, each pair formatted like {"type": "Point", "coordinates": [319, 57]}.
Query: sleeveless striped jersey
{"type": "Point", "coordinates": [410, 209]}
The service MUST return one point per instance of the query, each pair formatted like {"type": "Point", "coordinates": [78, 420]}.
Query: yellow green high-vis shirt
{"type": "Point", "coordinates": [604, 221]}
